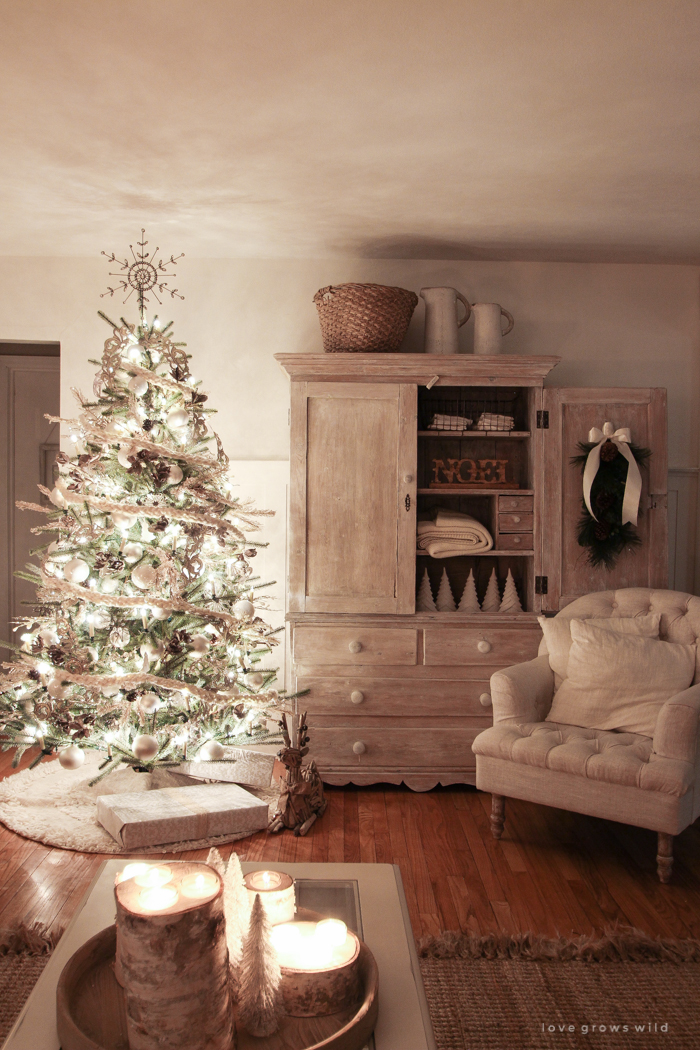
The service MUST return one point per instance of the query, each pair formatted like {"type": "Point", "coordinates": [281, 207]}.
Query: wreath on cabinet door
{"type": "Point", "coordinates": [612, 485]}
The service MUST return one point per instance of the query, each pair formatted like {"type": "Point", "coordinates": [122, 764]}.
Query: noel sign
{"type": "Point", "coordinates": [472, 472]}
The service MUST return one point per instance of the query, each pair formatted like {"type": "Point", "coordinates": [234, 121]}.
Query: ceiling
{"type": "Point", "coordinates": [452, 129]}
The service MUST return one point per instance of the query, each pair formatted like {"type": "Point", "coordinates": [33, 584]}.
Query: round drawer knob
{"type": "Point", "coordinates": [359, 747]}
{"type": "Point", "coordinates": [516, 539]}
{"type": "Point", "coordinates": [355, 647]}
{"type": "Point", "coordinates": [485, 700]}
{"type": "Point", "coordinates": [408, 478]}
{"type": "Point", "coordinates": [357, 696]}
{"type": "Point", "coordinates": [516, 518]}
{"type": "Point", "coordinates": [483, 646]}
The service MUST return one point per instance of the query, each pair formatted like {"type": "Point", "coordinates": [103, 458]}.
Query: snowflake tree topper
{"type": "Point", "coordinates": [142, 274]}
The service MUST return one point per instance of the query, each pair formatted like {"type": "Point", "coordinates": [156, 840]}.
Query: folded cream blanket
{"type": "Point", "coordinates": [452, 534]}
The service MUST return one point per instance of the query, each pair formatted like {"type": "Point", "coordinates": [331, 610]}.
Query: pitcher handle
{"type": "Point", "coordinates": [504, 313]}
{"type": "Point", "coordinates": [468, 309]}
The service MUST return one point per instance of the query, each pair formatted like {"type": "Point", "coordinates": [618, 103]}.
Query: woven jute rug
{"type": "Point", "coordinates": [58, 807]}
{"type": "Point", "coordinates": [618, 992]}
{"type": "Point", "coordinates": [24, 953]}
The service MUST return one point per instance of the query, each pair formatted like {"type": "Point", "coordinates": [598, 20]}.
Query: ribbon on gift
{"type": "Point", "coordinates": [633, 485]}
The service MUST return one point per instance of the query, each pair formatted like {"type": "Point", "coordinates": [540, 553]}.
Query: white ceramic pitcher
{"type": "Point", "coordinates": [488, 332]}
{"type": "Point", "coordinates": [441, 324]}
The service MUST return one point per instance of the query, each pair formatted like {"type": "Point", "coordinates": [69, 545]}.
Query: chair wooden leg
{"type": "Point", "coordinates": [664, 857]}
{"type": "Point", "coordinates": [498, 815]}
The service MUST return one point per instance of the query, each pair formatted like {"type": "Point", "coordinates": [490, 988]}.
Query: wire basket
{"type": "Point", "coordinates": [500, 411]}
{"type": "Point", "coordinates": [364, 318]}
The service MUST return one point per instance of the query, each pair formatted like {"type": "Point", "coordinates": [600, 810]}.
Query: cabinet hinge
{"type": "Point", "coordinates": [407, 503]}
{"type": "Point", "coordinates": [541, 583]}
{"type": "Point", "coordinates": [542, 419]}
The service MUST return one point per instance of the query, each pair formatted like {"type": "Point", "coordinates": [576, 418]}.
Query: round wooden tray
{"type": "Point", "coordinates": [91, 1012]}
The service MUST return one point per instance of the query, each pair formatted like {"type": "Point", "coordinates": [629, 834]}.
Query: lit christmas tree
{"type": "Point", "coordinates": [146, 643]}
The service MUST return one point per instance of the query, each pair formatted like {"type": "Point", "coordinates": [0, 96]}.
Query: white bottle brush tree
{"type": "Point", "coordinates": [146, 643]}
{"type": "Point", "coordinates": [259, 976]}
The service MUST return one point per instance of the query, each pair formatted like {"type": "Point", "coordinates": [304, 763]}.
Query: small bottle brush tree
{"type": "Point", "coordinates": [146, 643]}
{"type": "Point", "coordinates": [492, 599]}
{"type": "Point", "coordinates": [259, 994]}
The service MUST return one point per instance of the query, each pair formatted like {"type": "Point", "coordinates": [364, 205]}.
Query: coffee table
{"type": "Point", "coordinates": [369, 898]}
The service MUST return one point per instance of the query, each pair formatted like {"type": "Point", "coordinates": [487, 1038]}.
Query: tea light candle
{"type": "Point", "coordinates": [132, 870]}
{"type": "Point", "coordinates": [153, 877]}
{"type": "Point", "coordinates": [199, 885]}
{"type": "Point", "coordinates": [276, 893]}
{"type": "Point", "coordinates": [158, 898]}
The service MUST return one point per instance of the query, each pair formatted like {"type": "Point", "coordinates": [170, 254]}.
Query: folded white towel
{"type": "Point", "coordinates": [452, 534]}
{"type": "Point", "coordinates": [492, 421]}
{"type": "Point", "coordinates": [445, 422]}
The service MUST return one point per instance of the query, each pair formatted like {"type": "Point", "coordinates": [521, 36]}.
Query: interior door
{"type": "Point", "coordinates": [353, 498]}
{"type": "Point", "coordinates": [572, 413]}
{"type": "Point", "coordinates": [29, 387]}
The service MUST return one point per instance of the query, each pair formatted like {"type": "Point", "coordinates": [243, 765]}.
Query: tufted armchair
{"type": "Point", "coordinates": [651, 782]}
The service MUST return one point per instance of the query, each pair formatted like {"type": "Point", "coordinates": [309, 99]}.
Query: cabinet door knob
{"type": "Point", "coordinates": [357, 696]}
{"type": "Point", "coordinates": [359, 747]}
{"type": "Point", "coordinates": [408, 478]}
{"type": "Point", "coordinates": [516, 518]}
{"type": "Point", "coordinates": [516, 539]}
{"type": "Point", "coordinates": [483, 646]}
{"type": "Point", "coordinates": [485, 700]}
{"type": "Point", "coordinates": [355, 647]}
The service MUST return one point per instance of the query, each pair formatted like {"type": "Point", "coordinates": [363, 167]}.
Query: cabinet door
{"type": "Point", "coordinates": [572, 413]}
{"type": "Point", "coordinates": [353, 498]}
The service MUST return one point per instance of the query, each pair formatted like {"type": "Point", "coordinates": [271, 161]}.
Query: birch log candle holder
{"type": "Point", "coordinates": [276, 894]}
{"type": "Point", "coordinates": [320, 967]}
{"type": "Point", "coordinates": [172, 960]}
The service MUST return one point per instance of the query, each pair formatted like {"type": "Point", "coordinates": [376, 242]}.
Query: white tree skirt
{"type": "Point", "coordinates": [56, 806]}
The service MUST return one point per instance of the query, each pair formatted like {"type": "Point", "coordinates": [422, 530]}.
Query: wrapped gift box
{"type": "Point", "coordinates": [180, 814]}
{"type": "Point", "coordinates": [251, 768]}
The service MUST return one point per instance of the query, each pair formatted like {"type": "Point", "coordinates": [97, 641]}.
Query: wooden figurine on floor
{"type": "Point", "coordinates": [301, 797]}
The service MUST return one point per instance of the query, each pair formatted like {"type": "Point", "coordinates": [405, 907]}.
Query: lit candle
{"type": "Point", "coordinates": [154, 877]}
{"type": "Point", "coordinates": [199, 885]}
{"type": "Point", "coordinates": [276, 893]}
{"type": "Point", "coordinates": [132, 870]}
{"type": "Point", "coordinates": [314, 946]}
{"type": "Point", "coordinates": [158, 898]}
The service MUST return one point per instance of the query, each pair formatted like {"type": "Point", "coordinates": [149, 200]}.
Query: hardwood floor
{"type": "Point", "coordinates": [552, 872]}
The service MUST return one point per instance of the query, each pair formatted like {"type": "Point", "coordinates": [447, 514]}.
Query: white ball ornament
{"type": "Point", "coordinates": [177, 417]}
{"type": "Point", "coordinates": [109, 585]}
{"type": "Point", "coordinates": [200, 645]}
{"type": "Point", "coordinates": [76, 570]}
{"type": "Point", "coordinates": [145, 746]}
{"type": "Point", "coordinates": [101, 619]}
{"type": "Point", "coordinates": [244, 609]}
{"type": "Point", "coordinates": [119, 637]}
{"type": "Point", "coordinates": [160, 613]}
{"type": "Point", "coordinates": [212, 751]}
{"type": "Point", "coordinates": [144, 577]}
{"type": "Point", "coordinates": [138, 385]}
{"type": "Point", "coordinates": [56, 690]}
{"type": "Point", "coordinates": [149, 703]}
{"type": "Point", "coordinates": [48, 636]}
{"type": "Point", "coordinates": [123, 520]}
{"type": "Point", "coordinates": [175, 476]}
{"type": "Point", "coordinates": [71, 757]}
{"type": "Point", "coordinates": [57, 498]}
{"type": "Point", "coordinates": [123, 456]}
{"type": "Point", "coordinates": [132, 552]}
{"type": "Point", "coordinates": [255, 678]}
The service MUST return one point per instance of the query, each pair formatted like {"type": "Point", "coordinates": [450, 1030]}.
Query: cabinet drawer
{"type": "Point", "coordinates": [358, 697]}
{"type": "Point", "coordinates": [515, 522]}
{"type": "Point", "coordinates": [492, 645]}
{"type": "Point", "coordinates": [515, 541]}
{"type": "Point", "coordinates": [402, 749]}
{"type": "Point", "coordinates": [515, 503]}
{"type": "Point", "coordinates": [354, 645]}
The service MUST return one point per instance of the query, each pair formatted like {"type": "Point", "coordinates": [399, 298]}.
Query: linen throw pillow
{"type": "Point", "coordinates": [557, 633]}
{"type": "Point", "coordinates": [619, 681]}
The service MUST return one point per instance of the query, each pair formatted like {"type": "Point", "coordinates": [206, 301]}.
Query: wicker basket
{"type": "Point", "coordinates": [364, 318]}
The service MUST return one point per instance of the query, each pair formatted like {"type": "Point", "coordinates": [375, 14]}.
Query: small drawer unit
{"type": "Point", "coordinates": [512, 522]}
{"type": "Point", "coordinates": [339, 646]}
{"type": "Point", "coordinates": [343, 746]}
{"type": "Point", "coordinates": [515, 541]}
{"type": "Point", "coordinates": [494, 646]}
{"type": "Point", "coordinates": [362, 698]}
{"type": "Point", "coordinates": [515, 504]}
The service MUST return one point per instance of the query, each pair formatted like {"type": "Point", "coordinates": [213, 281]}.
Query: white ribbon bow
{"type": "Point", "coordinates": [633, 484]}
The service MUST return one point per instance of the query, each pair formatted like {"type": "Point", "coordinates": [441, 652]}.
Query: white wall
{"type": "Point", "coordinates": [613, 325]}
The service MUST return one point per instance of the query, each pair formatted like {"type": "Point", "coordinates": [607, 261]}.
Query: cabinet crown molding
{"type": "Point", "coordinates": [464, 369]}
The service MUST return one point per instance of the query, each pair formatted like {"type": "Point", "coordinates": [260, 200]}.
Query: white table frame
{"type": "Point", "coordinates": [404, 1020]}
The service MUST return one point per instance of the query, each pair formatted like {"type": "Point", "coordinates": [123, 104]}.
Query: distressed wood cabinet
{"type": "Point", "coordinates": [397, 695]}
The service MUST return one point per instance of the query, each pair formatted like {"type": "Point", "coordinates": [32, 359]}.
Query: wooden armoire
{"type": "Point", "coordinates": [398, 695]}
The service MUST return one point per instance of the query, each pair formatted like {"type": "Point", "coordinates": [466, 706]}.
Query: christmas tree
{"type": "Point", "coordinates": [510, 603]}
{"type": "Point", "coordinates": [259, 995]}
{"type": "Point", "coordinates": [469, 602]}
{"type": "Point", "coordinates": [145, 642]}
{"type": "Point", "coordinates": [425, 601]}
{"type": "Point", "coordinates": [492, 599]}
{"type": "Point", "coordinates": [445, 601]}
